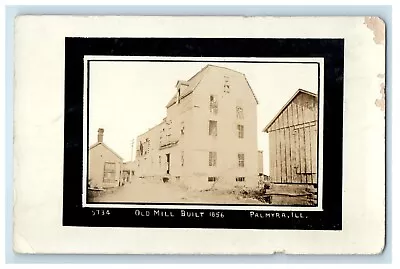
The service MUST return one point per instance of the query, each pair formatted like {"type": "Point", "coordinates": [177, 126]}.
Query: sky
{"type": "Point", "coordinates": [128, 98]}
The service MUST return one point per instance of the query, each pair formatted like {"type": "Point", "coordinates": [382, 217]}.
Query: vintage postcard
{"type": "Point", "coordinates": [221, 141]}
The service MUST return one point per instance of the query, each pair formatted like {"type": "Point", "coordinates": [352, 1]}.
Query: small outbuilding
{"type": "Point", "coordinates": [128, 171]}
{"type": "Point", "coordinates": [293, 142]}
{"type": "Point", "coordinates": [105, 165]}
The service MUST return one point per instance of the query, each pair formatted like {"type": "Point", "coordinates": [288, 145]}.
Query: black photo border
{"type": "Point", "coordinates": [331, 50]}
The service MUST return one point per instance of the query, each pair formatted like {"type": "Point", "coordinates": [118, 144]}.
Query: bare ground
{"type": "Point", "coordinates": [142, 190]}
{"type": "Point", "coordinates": [156, 191]}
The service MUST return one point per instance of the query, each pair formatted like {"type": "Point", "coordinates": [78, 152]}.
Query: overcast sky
{"type": "Point", "coordinates": [128, 98]}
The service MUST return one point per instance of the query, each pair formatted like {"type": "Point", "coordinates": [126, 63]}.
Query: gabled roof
{"type": "Point", "coordinates": [148, 130]}
{"type": "Point", "coordinates": [107, 147]}
{"type": "Point", "coordinates": [192, 84]}
{"type": "Point", "coordinates": [286, 105]}
{"type": "Point", "coordinates": [251, 89]}
{"type": "Point", "coordinates": [195, 80]}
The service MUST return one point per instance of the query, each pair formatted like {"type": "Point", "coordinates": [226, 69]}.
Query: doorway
{"type": "Point", "coordinates": [168, 162]}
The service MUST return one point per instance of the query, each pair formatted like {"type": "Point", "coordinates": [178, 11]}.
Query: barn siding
{"type": "Point", "coordinates": [308, 154]}
{"type": "Point", "coordinates": [314, 150]}
{"type": "Point", "coordinates": [279, 151]}
{"type": "Point", "coordinates": [276, 161]}
{"type": "Point", "coordinates": [302, 135]}
{"type": "Point", "coordinates": [272, 159]}
{"type": "Point", "coordinates": [282, 153]}
{"type": "Point", "coordinates": [296, 144]}
{"type": "Point", "coordinates": [288, 177]}
{"type": "Point", "coordinates": [307, 120]}
{"type": "Point", "coordinates": [290, 141]}
{"type": "Point", "coordinates": [293, 142]}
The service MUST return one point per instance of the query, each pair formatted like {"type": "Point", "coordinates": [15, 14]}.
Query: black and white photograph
{"type": "Point", "coordinates": [226, 131]}
{"type": "Point", "coordinates": [191, 132]}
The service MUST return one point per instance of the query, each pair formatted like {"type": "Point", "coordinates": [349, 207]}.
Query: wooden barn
{"type": "Point", "coordinates": [293, 136]}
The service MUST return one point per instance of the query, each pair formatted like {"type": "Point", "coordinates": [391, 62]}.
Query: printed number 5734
{"type": "Point", "coordinates": [100, 212]}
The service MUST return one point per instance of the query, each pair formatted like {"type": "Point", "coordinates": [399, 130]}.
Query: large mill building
{"type": "Point", "coordinates": [209, 136]}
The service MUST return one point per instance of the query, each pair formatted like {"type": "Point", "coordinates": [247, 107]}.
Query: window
{"type": "Point", "coordinates": [212, 128]}
{"type": "Point", "coordinates": [182, 158]}
{"type": "Point", "coordinates": [239, 113]}
{"type": "Point", "coordinates": [241, 159]}
{"type": "Point", "coordinates": [212, 179]}
{"type": "Point", "coordinates": [226, 84]}
{"type": "Point", "coordinates": [109, 172]}
{"type": "Point", "coordinates": [212, 158]}
{"type": "Point", "coordinates": [240, 129]}
{"type": "Point", "coordinates": [213, 104]}
{"type": "Point", "coordinates": [182, 128]}
{"type": "Point", "coordinates": [148, 146]}
{"type": "Point", "coordinates": [141, 149]}
{"type": "Point", "coordinates": [240, 179]}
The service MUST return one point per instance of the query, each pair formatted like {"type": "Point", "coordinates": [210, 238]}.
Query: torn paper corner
{"type": "Point", "coordinates": [380, 102]}
{"type": "Point", "coordinates": [377, 25]}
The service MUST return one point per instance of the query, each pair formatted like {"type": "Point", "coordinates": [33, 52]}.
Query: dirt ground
{"type": "Point", "coordinates": [142, 190]}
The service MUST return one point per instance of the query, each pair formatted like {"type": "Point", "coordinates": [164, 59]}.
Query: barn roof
{"type": "Point", "coordinates": [195, 80]}
{"type": "Point", "coordinates": [286, 105]}
{"type": "Point", "coordinates": [107, 147]}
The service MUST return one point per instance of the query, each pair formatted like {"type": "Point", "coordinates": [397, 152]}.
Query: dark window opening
{"type": "Point", "coordinates": [213, 104]}
{"type": "Point", "coordinates": [212, 128]}
{"type": "Point", "coordinates": [240, 129]}
{"type": "Point", "coordinates": [241, 159]}
{"type": "Point", "coordinates": [212, 159]}
{"type": "Point", "coordinates": [109, 172]}
{"type": "Point", "coordinates": [212, 179]}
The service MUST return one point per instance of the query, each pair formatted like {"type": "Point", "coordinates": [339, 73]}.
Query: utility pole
{"type": "Point", "coordinates": [132, 146]}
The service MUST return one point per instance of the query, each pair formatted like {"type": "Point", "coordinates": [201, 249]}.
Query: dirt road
{"type": "Point", "coordinates": [142, 190]}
